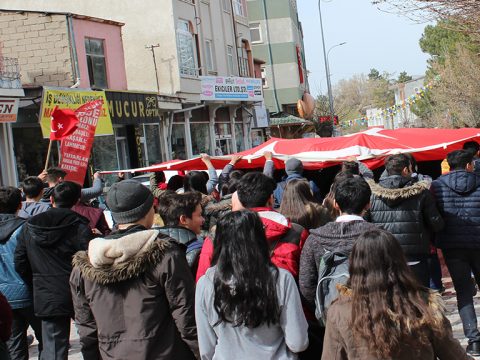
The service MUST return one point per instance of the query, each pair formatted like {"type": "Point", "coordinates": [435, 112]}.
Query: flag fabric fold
{"type": "Point", "coordinates": [63, 123]}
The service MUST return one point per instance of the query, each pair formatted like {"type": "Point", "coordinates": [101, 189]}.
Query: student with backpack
{"type": "Point", "coordinates": [332, 241]}
{"type": "Point", "coordinates": [246, 307]}
{"type": "Point", "coordinates": [383, 312]}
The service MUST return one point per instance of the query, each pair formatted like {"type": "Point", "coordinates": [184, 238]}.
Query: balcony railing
{"type": "Point", "coordinates": [9, 73]}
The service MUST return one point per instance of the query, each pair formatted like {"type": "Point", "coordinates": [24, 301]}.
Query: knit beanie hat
{"type": "Point", "coordinates": [293, 166]}
{"type": "Point", "coordinates": [129, 201]}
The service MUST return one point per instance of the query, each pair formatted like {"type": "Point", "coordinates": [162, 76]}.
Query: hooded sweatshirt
{"type": "Point", "coordinates": [334, 236]}
{"type": "Point", "coordinates": [407, 211]}
{"type": "Point", "coordinates": [43, 258]}
{"type": "Point", "coordinates": [284, 238]}
{"type": "Point", "coordinates": [32, 208]}
{"type": "Point", "coordinates": [458, 198]}
{"type": "Point", "coordinates": [134, 297]}
{"type": "Point", "coordinates": [11, 285]}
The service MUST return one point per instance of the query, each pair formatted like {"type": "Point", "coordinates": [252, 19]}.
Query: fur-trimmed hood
{"type": "Point", "coordinates": [110, 261]}
{"type": "Point", "coordinates": [392, 192]}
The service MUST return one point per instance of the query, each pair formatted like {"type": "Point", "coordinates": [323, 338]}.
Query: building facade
{"type": "Point", "coordinates": [277, 39]}
{"type": "Point", "coordinates": [400, 115]}
{"type": "Point", "coordinates": [168, 50]}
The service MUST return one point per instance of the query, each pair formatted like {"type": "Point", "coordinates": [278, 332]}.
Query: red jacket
{"type": "Point", "coordinates": [285, 238]}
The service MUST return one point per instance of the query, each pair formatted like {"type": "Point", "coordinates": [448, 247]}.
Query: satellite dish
{"type": "Point", "coordinates": [300, 108]}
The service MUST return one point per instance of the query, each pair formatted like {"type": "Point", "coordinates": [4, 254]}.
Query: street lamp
{"type": "Point", "coordinates": [327, 70]}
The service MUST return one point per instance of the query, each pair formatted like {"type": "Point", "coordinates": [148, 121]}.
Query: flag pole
{"type": "Point", "coordinates": [48, 153]}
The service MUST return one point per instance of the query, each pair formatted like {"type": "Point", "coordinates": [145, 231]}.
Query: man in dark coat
{"type": "Point", "coordinates": [43, 258]}
{"type": "Point", "coordinates": [133, 292]}
{"type": "Point", "coordinates": [408, 211]}
{"type": "Point", "coordinates": [458, 198]}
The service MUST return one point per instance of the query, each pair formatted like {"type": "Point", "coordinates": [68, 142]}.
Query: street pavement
{"type": "Point", "coordinates": [448, 296]}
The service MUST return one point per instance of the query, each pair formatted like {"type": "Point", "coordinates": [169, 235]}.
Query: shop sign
{"type": "Point", "coordinates": [131, 108]}
{"type": "Point", "coordinates": [73, 99]}
{"type": "Point", "coordinates": [261, 116]}
{"type": "Point", "coordinates": [8, 110]}
{"type": "Point", "coordinates": [231, 88]}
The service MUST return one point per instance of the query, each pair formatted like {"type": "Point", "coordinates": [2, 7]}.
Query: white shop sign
{"type": "Point", "coordinates": [231, 88]}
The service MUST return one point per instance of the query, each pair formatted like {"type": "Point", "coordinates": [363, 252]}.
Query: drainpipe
{"type": "Point", "coordinates": [235, 34]}
{"type": "Point", "coordinates": [74, 52]}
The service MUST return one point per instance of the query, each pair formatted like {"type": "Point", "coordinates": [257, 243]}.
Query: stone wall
{"type": "Point", "coordinates": [42, 46]}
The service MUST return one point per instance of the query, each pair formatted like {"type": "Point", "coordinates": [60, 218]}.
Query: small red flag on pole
{"type": "Point", "coordinates": [62, 124]}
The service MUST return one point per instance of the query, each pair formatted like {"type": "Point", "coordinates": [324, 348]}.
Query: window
{"type": "Point", "coordinates": [226, 5]}
{"type": "Point", "coordinates": [243, 61]}
{"type": "Point", "coordinates": [238, 8]}
{"type": "Point", "coordinates": [263, 70]}
{"type": "Point", "coordinates": [200, 138]}
{"type": "Point", "coordinates": [256, 33]}
{"type": "Point", "coordinates": [97, 68]}
{"type": "Point", "coordinates": [186, 49]}
{"type": "Point", "coordinates": [230, 60]}
{"type": "Point", "coordinates": [209, 55]}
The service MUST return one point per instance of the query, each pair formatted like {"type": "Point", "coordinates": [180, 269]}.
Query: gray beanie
{"type": "Point", "coordinates": [129, 201]}
{"type": "Point", "coordinates": [293, 166]}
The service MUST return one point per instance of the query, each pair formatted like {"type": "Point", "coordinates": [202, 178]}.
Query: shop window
{"type": "Point", "coordinates": [223, 139]}
{"type": "Point", "coordinates": [103, 155]}
{"type": "Point", "coordinates": [239, 137]}
{"type": "Point", "coordinates": [210, 56]}
{"type": "Point", "coordinates": [97, 68]}
{"type": "Point", "coordinates": [256, 32]}
{"type": "Point", "coordinates": [152, 140]}
{"type": "Point", "coordinates": [178, 142]}
{"type": "Point", "coordinates": [200, 138]}
{"type": "Point", "coordinates": [186, 49]}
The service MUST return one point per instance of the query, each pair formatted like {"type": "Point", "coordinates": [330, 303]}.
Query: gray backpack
{"type": "Point", "coordinates": [332, 270]}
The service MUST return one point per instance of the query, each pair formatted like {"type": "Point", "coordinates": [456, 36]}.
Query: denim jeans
{"type": "Point", "coordinates": [461, 264]}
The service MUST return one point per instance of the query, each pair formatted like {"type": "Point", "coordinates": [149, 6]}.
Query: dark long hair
{"type": "Point", "coordinates": [245, 278]}
{"type": "Point", "coordinates": [389, 307]}
{"type": "Point", "coordinates": [300, 206]}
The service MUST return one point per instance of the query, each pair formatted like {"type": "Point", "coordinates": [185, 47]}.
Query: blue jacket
{"type": "Point", "coordinates": [11, 285]}
{"type": "Point", "coordinates": [458, 198]}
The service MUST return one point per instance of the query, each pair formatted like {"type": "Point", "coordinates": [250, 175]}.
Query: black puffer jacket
{"type": "Point", "coordinates": [43, 257]}
{"type": "Point", "coordinates": [188, 241]}
{"type": "Point", "coordinates": [458, 198]}
{"type": "Point", "coordinates": [407, 211]}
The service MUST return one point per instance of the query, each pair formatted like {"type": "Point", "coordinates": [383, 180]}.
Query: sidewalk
{"type": "Point", "coordinates": [448, 296]}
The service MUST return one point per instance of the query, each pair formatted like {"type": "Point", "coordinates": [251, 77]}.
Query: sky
{"type": "Point", "coordinates": [374, 39]}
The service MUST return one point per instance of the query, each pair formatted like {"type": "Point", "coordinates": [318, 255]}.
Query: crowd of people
{"type": "Point", "coordinates": [241, 266]}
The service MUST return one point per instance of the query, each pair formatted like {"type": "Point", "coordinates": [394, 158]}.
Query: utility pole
{"type": "Point", "coordinates": [327, 70]}
{"type": "Point", "coordinates": [152, 49]}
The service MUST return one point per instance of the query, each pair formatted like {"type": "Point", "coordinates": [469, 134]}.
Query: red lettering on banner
{"type": "Point", "coordinates": [76, 148]}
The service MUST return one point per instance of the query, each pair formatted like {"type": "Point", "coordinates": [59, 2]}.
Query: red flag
{"type": "Point", "coordinates": [63, 123]}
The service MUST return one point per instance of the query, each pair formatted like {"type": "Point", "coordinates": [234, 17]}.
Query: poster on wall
{"type": "Point", "coordinates": [231, 88]}
{"type": "Point", "coordinates": [8, 110]}
{"type": "Point", "coordinates": [73, 99]}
